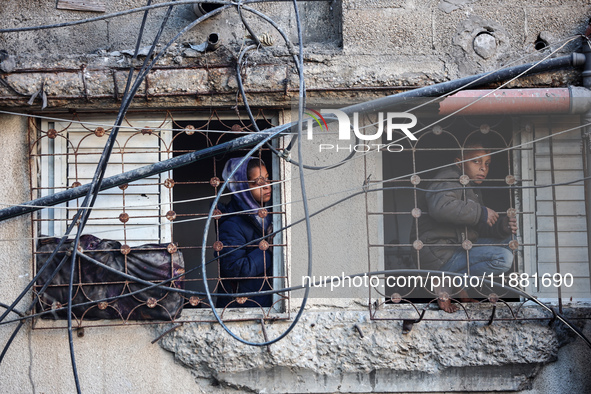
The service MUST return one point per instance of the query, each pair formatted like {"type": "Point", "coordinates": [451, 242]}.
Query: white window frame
{"type": "Point", "coordinates": [52, 176]}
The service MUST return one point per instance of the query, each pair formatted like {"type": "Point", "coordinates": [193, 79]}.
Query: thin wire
{"type": "Point", "coordinates": [300, 90]}
{"type": "Point", "coordinates": [275, 183]}
{"type": "Point", "coordinates": [122, 127]}
{"type": "Point", "coordinates": [372, 151]}
{"type": "Point", "coordinates": [374, 183]}
{"type": "Point", "coordinates": [120, 13]}
{"type": "Point", "coordinates": [136, 228]}
{"type": "Point", "coordinates": [253, 36]}
{"type": "Point", "coordinates": [332, 279]}
{"type": "Point", "coordinates": [93, 192]}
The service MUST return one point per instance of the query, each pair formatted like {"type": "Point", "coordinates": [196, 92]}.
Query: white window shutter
{"type": "Point", "coordinates": [145, 201]}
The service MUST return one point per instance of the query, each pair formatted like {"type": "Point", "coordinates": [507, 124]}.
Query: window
{"type": "Point", "coordinates": [546, 216]}
{"type": "Point", "coordinates": [168, 209]}
{"type": "Point", "coordinates": [67, 156]}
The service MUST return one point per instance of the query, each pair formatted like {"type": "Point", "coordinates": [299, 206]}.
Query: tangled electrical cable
{"type": "Point", "coordinates": [82, 215]}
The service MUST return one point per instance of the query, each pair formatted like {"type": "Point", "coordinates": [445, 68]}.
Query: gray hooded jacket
{"type": "Point", "coordinates": [449, 217]}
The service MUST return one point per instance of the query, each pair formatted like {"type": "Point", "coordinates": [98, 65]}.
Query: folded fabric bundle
{"type": "Point", "coordinates": [151, 262]}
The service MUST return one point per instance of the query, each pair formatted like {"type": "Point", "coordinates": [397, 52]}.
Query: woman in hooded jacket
{"type": "Point", "coordinates": [241, 224]}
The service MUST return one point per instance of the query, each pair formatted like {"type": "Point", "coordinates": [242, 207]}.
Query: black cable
{"type": "Point", "coordinates": [82, 215]}
{"type": "Point", "coordinates": [288, 43]}
{"type": "Point", "coordinates": [279, 154]}
{"type": "Point", "coordinates": [301, 105]}
{"type": "Point", "coordinates": [14, 333]}
{"type": "Point", "coordinates": [98, 177]}
{"type": "Point", "coordinates": [287, 149]}
{"type": "Point", "coordinates": [101, 168]}
{"type": "Point", "coordinates": [141, 32]}
{"type": "Point", "coordinates": [214, 204]}
{"type": "Point", "coordinates": [9, 342]}
{"type": "Point", "coordinates": [132, 11]}
{"type": "Point", "coordinates": [241, 87]}
{"type": "Point", "coordinates": [305, 203]}
{"type": "Point", "coordinates": [253, 36]}
{"type": "Point", "coordinates": [3, 305]}
{"type": "Point", "coordinates": [190, 292]}
{"type": "Point", "coordinates": [147, 69]}
{"type": "Point", "coordinates": [123, 13]}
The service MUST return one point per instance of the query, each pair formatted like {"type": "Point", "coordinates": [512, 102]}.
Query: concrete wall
{"type": "Point", "coordinates": [359, 44]}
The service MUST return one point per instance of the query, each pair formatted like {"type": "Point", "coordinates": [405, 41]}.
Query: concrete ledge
{"type": "Point", "coordinates": [326, 353]}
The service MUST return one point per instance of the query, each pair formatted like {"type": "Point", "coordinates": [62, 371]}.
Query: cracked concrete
{"type": "Point", "coordinates": [324, 353]}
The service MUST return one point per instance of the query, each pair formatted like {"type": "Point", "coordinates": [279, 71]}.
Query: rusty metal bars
{"type": "Point", "coordinates": [145, 206]}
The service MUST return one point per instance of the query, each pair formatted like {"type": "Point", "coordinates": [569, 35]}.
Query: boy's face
{"type": "Point", "coordinates": [262, 194]}
{"type": "Point", "coordinates": [476, 165]}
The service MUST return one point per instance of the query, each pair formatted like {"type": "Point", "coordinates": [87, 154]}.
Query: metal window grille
{"type": "Point", "coordinates": [552, 225]}
{"type": "Point", "coordinates": [163, 214]}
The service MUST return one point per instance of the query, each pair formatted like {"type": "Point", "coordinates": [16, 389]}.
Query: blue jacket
{"type": "Point", "coordinates": [250, 261]}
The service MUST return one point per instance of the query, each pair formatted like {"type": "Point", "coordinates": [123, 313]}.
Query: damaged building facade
{"type": "Point", "coordinates": [62, 87]}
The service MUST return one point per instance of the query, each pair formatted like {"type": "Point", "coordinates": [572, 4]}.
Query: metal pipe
{"type": "Point", "coordinates": [586, 137]}
{"type": "Point", "coordinates": [507, 101]}
{"type": "Point", "coordinates": [575, 59]}
{"type": "Point", "coordinates": [213, 42]}
{"type": "Point", "coordinates": [571, 100]}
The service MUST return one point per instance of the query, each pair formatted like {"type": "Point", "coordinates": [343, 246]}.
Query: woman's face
{"type": "Point", "coordinates": [257, 177]}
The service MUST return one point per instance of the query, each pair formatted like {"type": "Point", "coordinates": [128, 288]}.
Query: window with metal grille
{"type": "Point", "coordinates": [552, 234]}
{"type": "Point", "coordinates": [164, 212]}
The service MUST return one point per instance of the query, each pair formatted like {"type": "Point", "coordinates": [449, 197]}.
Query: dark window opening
{"type": "Point", "coordinates": [438, 147]}
{"type": "Point", "coordinates": [198, 180]}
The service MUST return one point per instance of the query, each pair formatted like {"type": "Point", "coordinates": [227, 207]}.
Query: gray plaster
{"type": "Point", "coordinates": [324, 353]}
